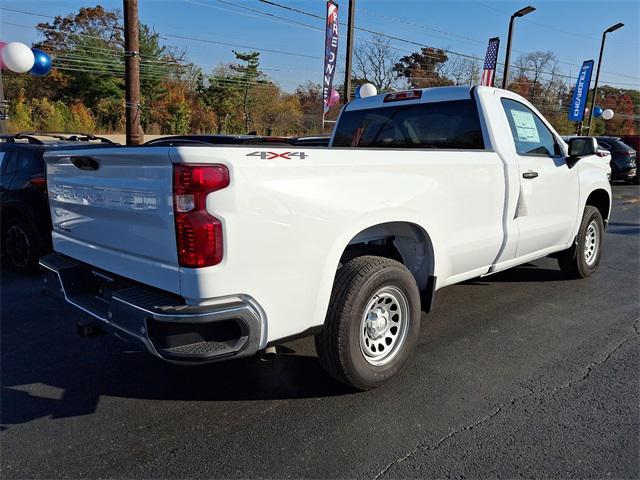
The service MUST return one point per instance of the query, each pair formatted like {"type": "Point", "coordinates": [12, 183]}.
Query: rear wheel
{"type": "Point", "coordinates": [372, 323]}
{"type": "Point", "coordinates": [581, 260]}
{"type": "Point", "coordinates": [22, 246]}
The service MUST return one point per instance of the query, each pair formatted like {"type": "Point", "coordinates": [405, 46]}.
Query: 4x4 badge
{"type": "Point", "coordinates": [271, 155]}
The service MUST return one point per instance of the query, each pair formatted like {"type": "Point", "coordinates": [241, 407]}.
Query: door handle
{"type": "Point", "coordinates": [530, 174]}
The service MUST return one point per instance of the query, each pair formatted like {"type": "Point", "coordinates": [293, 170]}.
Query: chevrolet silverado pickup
{"type": "Point", "coordinates": [202, 253]}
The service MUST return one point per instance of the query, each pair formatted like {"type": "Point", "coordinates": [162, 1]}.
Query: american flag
{"type": "Point", "coordinates": [490, 61]}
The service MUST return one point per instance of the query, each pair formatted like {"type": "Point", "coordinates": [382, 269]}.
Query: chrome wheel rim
{"type": "Point", "coordinates": [591, 243]}
{"type": "Point", "coordinates": [384, 326]}
{"type": "Point", "coordinates": [18, 246]}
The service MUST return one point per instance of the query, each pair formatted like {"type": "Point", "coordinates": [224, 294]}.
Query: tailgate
{"type": "Point", "coordinates": [112, 208]}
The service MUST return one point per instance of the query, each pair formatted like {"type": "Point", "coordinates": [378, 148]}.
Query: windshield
{"type": "Point", "coordinates": [450, 125]}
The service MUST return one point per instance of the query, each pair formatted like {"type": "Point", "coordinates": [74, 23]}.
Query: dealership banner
{"type": "Point", "coordinates": [330, 52]}
{"type": "Point", "coordinates": [579, 100]}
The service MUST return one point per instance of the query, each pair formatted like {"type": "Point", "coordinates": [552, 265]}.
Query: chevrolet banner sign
{"type": "Point", "coordinates": [576, 109]}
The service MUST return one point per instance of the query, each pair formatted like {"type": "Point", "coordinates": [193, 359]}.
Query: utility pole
{"type": "Point", "coordinates": [347, 73]}
{"type": "Point", "coordinates": [613, 28]}
{"type": "Point", "coordinates": [4, 109]}
{"type": "Point", "coordinates": [135, 136]}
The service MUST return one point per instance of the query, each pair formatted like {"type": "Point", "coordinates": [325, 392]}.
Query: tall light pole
{"type": "Point", "coordinates": [520, 13]}
{"type": "Point", "coordinates": [347, 70]}
{"type": "Point", "coordinates": [613, 28]}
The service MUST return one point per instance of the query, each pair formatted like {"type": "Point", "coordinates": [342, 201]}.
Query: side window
{"type": "Point", "coordinates": [530, 135]}
{"type": "Point", "coordinates": [2, 155]}
{"type": "Point", "coordinates": [9, 163]}
{"type": "Point", "coordinates": [604, 145]}
{"type": "Point", "coordinates": [22, 161]}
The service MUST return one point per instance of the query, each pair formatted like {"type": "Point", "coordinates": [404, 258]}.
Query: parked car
{"type": "Point", "coordinates": [623, 159]}
{"type": "Point", "coordinates": [312, 141]}
{"type": "Point", "coordinates": [26, 222]}
{"type": "Point", "coordinates": [633, 141]}
{"type": "Point", "coordinates": [605, 155]}
{"type": "Point", "coordinates": [185, 140]}
{"type": "Point", "coordinates": [204, 253]}
{"type": "Point", "coordinates": [175, 140]}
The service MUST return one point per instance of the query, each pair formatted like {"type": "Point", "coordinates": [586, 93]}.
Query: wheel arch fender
{"type": "Point", "coordinates": [594, 185]}
{"type": "Point", "coordinates": [415, 243]}
{"type": "Point", "coordinates": [599, 196]}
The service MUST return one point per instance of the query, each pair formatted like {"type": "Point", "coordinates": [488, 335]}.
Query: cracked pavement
{"type": "Point", "coordinates": [521, 374]}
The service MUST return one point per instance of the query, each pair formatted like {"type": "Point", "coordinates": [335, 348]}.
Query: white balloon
{"type": "Point", "coordinates": [17, 57]}
{"type": "Point", "coordinates": [368, 90]}
{"type": "Point", "coordinates": [607, 114]}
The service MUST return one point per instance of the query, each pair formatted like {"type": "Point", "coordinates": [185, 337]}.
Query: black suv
{"type": "Point", "coordinates": [24, 210]}
{"type": "Point", "coordinates": [623, 159]}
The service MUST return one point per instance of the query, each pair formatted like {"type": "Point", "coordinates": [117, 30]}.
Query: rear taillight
{"type": "Point", "coordinates": [39, 182]}
{"type": "Point", "coordinates": [198, 234]}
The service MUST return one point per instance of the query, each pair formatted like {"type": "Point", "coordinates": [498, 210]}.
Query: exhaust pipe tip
{"type": "Point", "coordinates": [268, 354]}
{"type": "Point", "coordinates": [89, 330]}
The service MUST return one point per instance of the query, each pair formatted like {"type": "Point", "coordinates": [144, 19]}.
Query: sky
{"type": "Point", "coordinates": [292, 53]}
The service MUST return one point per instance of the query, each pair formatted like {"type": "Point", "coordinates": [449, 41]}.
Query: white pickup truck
{"type": "Point", "coordinates": [204, 253]}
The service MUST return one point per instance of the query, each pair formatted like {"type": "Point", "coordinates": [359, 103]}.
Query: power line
{"type": "Point", "coordinates": [286, 7]}
{"type": "Point", "coordinates": [392, 37]}
{"type": "Point", "coordinates": [260, 49]}
{"type": "Point", "coordinates": [275, 18]}
{"type": "Point", "coordinates": [560, 30]}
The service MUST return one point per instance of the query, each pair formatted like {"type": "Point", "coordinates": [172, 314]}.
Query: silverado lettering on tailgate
{"type": "Point", "coordinates": [102, 196]}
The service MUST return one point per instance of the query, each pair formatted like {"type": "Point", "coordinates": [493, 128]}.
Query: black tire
{"type": "Point", "coordinates": [21, 245]}
{"type": "Point", "coordinates": [354, 292]}
{"type": "Point", "coordinates": [576, 262]}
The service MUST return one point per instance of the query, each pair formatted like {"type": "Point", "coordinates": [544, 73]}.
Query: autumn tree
{"type": "Point", "coordinates": [534, 65]}
{"type": "Point", "coordinates": [248, 75]}
{"type": "Point", "coordinates": [461, 70]}
{"type": "Point", "coordinates": [374, 61]}
{"type": "Point", "coordinates": [310, 100]}
{"type": "Point", "coordinates": [621, 102]}
{"type": "Point", "coordinates": [87, 45]}
{"type": "Point", "coordinates": [423, 69]}
{"type": "Point", "coordinates": [222, 93]}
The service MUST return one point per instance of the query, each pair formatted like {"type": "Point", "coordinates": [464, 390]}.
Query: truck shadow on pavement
{"type": "Point", "coordinates": [48, 371]}
{"type": "Point", "coordinates": [74, 386]}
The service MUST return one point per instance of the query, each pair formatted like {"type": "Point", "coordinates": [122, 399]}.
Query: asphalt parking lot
{"type": "Point", "coordinates": [520, 374]}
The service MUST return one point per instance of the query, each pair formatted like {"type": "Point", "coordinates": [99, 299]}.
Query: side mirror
{"type": "Point", "coordinates": [582, 146]}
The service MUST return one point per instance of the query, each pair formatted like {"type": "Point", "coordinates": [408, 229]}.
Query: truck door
{"type": "Point", "coordinates": [549, 190]}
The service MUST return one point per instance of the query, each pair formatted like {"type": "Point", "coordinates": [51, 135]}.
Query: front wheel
{"type": "Point", "coordinates": [372, 324]}
{"type": "Point", "coordinates": [581, 260]}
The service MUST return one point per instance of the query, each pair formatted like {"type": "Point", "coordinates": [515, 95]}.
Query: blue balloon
{"type": "Point", "coordinates": [42, 65]}
{"type": "Point", "coordinates": [597, 111]}
{"type": "Point", "coordinates": [357, 92]}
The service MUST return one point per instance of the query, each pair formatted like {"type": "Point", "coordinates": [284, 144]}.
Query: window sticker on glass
{"type": "Point", "coordinates": [525, 126]}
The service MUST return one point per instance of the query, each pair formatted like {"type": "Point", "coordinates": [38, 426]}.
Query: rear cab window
{"type": "Point", "coordinates": [437, 125]}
